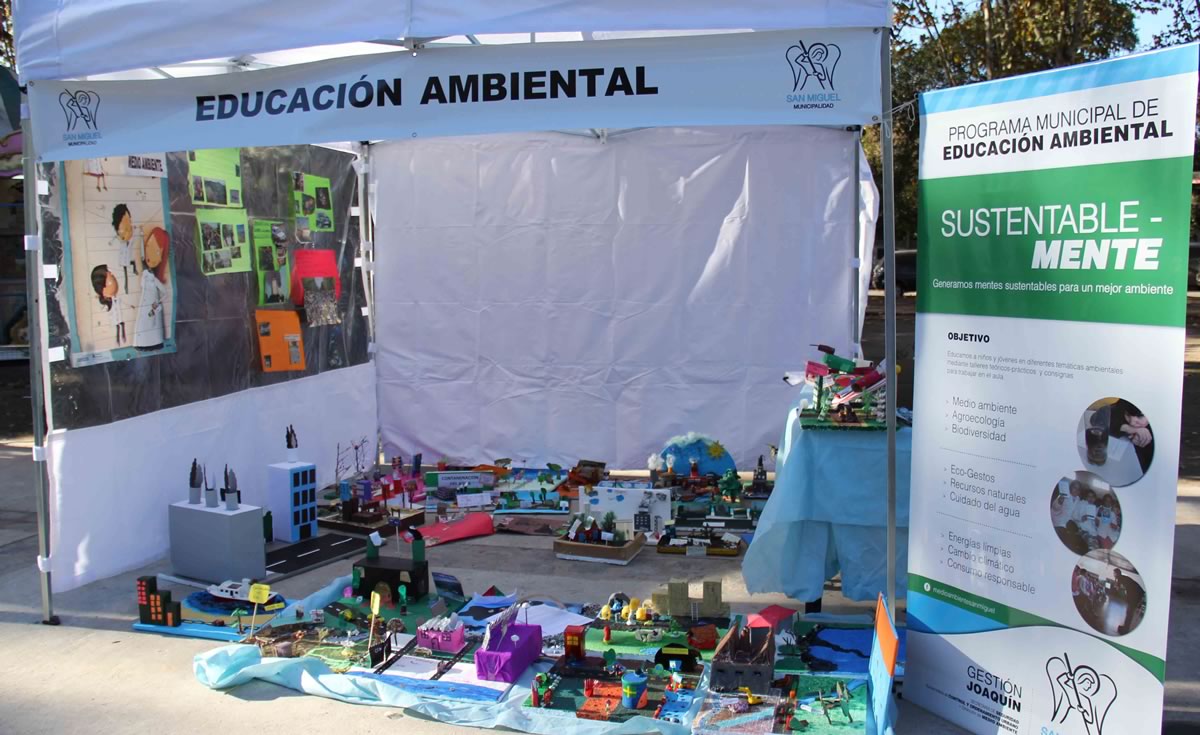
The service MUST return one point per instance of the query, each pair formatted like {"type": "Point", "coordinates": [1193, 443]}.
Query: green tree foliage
{"type": "Point", "coordinates": [954, 42]}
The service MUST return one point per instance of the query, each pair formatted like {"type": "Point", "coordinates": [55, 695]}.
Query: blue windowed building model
{"type": "Point", "coordinates": [292, 500]}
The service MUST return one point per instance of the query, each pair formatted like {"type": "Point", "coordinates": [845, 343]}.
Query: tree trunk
{"type": "Point", "coordinates": [989, 44]}
{"type": "Point", "coordinates": [1075, 52]}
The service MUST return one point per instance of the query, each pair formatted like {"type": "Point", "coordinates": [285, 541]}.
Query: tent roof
{"type": "Point", "coordinates": [60, 39]}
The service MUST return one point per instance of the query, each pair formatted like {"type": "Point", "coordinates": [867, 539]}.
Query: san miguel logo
{"type": "Point", "coordinates": [1080, 694]}
{"type": "Point", "coordinates": [80, 108]}
{"type": "Point", "coordinates": [813, 67]}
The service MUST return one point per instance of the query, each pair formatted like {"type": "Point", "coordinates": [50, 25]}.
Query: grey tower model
{"type": "Point", "coordinates": [231, 490]}
{"type": "Point", "coordinates": [194, 484]}
{"type": "Point", "coordinates": [210, 494]}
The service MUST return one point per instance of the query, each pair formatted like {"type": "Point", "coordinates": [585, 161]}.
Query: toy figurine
{"type": "Point", "coordinates": [292, 441]}
{"type": "Point", "coordinates": [607, 634]}
{"type": "Point", "coordinates": [695, 468]}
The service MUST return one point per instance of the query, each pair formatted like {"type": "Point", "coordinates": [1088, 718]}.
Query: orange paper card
{"type": "Point", "coordinates": [280, 342]}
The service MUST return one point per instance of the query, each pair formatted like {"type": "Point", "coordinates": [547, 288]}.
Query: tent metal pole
{"type": "Point", "coordinates": [889, 269]}
{"type": "Point", "coordinates": [855, 248]}
{"type": "Point", "coordinates": [34, 294]}
{"type": "Point", "coordinates": [366, 245]}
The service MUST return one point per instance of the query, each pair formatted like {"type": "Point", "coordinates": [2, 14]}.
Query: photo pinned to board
{"type": "Point", "coordinates": [218, 245]}
{"type": "Point", "coordinates": [312, 199]}
{"type": "Point", "coordinates": [271, 261]}
{"type": "Point", "coordinates": [320, 302]}
{"type": "Point", "coordinates": [216, 176]}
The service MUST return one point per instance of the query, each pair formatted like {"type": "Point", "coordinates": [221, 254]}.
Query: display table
{"type": "Point", "coordinates": [828, 513]}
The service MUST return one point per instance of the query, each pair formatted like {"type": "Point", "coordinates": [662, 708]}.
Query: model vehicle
{"type": "Point", "coordinates": [231, 590]}
{"type": "Point", "coordinates": [751, 697]}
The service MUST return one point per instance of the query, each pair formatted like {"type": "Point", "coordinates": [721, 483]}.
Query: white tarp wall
{"type": "Point", "coordinates": [548, 297]}
{"type": "Point", "coordinates": [117, 519]}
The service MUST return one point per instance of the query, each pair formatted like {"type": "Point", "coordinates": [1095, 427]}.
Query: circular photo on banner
{"type": "Point", "coordinates": [1085, 512]}
{"type": "Point", "coordinates": [1116, 441]}
{"type": "Point", "coordinates": [1109, 593]}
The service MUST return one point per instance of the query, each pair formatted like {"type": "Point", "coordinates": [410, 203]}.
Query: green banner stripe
{"type": "Point", "coordinates": [979, 243]}
{"type": "Point", "coordinates": [1012, 617]}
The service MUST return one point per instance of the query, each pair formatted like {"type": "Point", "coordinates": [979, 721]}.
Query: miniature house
{"type": "Point", "coordinates": [393, 572]}
{"type": "Point", "coordinates": [775, 617]}
{"type": "Point", "coordinates": [745, 657]}
{"type": "Point", "coordinates": [574, 639]}
{"type": "Point", "coordinates": [446, 634]}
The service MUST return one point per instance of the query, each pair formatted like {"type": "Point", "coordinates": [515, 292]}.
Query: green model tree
{"type": "Point", "coordinates": [609, 524]}
{"type": "Point", "coordinates": [610, 658]}
{"type": "Point", "coordinates": [730, 485]}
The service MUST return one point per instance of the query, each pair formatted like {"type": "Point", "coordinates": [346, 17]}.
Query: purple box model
{"type": "Point", "coordinates": [508, 649]}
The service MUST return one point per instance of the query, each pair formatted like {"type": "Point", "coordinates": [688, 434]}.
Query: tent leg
{"type": "Point", "coordinates": [889, 269]}
{"type": "Point", "coordinates": [34, 294]}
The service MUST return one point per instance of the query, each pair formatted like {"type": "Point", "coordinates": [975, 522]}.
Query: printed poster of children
{"type": "Point", "coordinates": [117, 265]}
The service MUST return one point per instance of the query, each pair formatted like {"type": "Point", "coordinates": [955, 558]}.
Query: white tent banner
{"type": "Point", "coordinates": [58, 39]}
{"type": "Point", "coordinates": [548, 297]}
{"type": "Point", "coordinates": [822, 77]}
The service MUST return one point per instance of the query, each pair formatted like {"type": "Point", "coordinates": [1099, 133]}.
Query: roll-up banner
{"type": "Point", "coordinates": [1054, 221]}
{"type": "Point", "coordinates": [803, 77]}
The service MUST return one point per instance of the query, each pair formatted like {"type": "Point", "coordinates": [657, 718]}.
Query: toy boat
{"type": "Point", "coordinates": [231, 590]}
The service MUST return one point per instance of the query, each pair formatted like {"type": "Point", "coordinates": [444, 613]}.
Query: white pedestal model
{"type": "Point", "coordinates": [215, 544]}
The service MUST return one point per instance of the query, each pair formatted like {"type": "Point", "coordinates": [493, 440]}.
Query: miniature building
{"type": "Point", "coordinates": [292, 498]}
{"type": "Point", "coordinates": [702, 637]}
{"type": "Point", "coordinates": [745, 657]}
{"type": "Point", "coordinates": [154, 607]}
{"type": "Point", "coordinates": [574, 637]}
{"type": "Point", "coordinates": [445, 634]}
{"type": "Point", "coordinates": [673, 600]}
{"type": "Point", "coordinates": [213, 544]}
{"type": "Point", "coordinates": [393, 572]}
{"type": "Point", "coordinates": [508, 648]}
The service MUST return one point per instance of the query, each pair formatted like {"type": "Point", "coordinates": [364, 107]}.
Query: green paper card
{"type": "Point", "coordinates": [271, 261]}
{"type": "Point", "coordinates": [222, 241]}
{"type": "Point", "coordinates": [312, 204]}
{"type": "Point", "coordinates": [215, 177]}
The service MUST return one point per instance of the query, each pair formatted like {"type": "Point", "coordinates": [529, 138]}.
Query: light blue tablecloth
{"type": "Point", "coordinates": [828, 513]}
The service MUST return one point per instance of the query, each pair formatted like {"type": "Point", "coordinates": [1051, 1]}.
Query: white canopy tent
{"type": "Point", "coordinates": [731, 79]}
